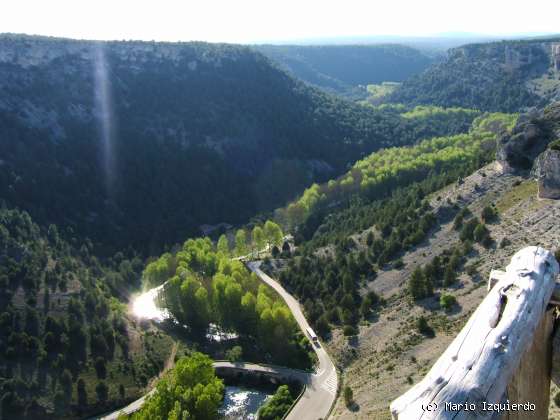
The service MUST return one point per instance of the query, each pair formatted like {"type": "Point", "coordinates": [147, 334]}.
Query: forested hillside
{"type": "Point", "coordinates": [506, 76]}
{"type": "Point", "coordinates": [351, 227]}
{"type": "Point", "coordinates": [67, 345]}
{"type": "Point", "coordinates": [138, 144]}
{"type": "Point", "coordinates": [347, 69]}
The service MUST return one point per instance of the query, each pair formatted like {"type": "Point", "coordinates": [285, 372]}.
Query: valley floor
{"type": "Point", "coordinates": [388, 355]}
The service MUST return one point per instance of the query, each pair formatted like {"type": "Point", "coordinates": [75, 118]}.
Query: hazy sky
{"type": "Point", "coordinates": [262, 20]}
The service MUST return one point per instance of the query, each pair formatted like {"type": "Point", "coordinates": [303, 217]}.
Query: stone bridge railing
{"type": "Point", "coordinates": [499, 366]}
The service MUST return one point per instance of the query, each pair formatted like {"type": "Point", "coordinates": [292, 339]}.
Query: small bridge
{"type": "Point", "coordinates": [501, 363]}
{"type": "Point", "coordinates": [276, 374]}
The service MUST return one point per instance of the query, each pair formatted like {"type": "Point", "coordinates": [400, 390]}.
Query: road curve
{"type": "Point", "coordinates": [320, 393]}
{"type": "Point", "coordinates": [321, 386]}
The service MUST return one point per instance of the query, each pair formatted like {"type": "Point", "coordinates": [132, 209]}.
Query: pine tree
{"type": "Point", "coordinates": [416, 286]}
{"type": "Point", "coordinates": [448, 276]}
{"type": "Point", "coordinates": [428, 286]}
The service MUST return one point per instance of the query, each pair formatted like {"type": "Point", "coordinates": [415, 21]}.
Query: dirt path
{"type": "Point", "coordinates": [169, 363]}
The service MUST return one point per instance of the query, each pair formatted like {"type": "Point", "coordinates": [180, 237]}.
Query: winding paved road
{"type": "Point", "coordinates": [320, 387]}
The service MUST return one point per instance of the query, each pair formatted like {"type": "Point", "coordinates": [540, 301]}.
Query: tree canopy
{"type": "Point", "coordinates": [190, 390]}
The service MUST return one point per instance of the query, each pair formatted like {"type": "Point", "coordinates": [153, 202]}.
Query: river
{"type": "Point", "coordinates": [243, 403]}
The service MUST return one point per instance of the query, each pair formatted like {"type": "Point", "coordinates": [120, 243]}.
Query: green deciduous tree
{"type": "Point", "coordinates": [447, 301]}
{"type": "Point", "coordinates": [278, 405]}
{"type": "Point", "coordinates": [223, 245]}
{"type": "Point", "coordinates": [195, 305]}
{"type": "Point", "coordinates": [273, 233]}
{"type": "Point", "coordinates": [190, 390]}
{"type": "Point", "coordinates": [241, 248]}
{"type": "Point", "coordinates": [258, 239]}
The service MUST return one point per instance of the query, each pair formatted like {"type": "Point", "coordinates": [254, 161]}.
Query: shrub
{"type": "Point", "coordinates": [286, 249]}
{"type": "Point", "coordinates": [423, 327]}
{"type": "Point", "coordinates": [487, 242]}
{"type": "Point", "coordinates": [349, 330]}
{"type": "Point", "coordinates": [471, 270]}
{"type": "Point", "coordinates": [102, 392]}
{"type": "Point", "coordinates": [348, 396]}
{"type": "Point", "coordinates": [458, 221]}
{"type": "Point", "coordinates": [467, 247]}
{"type": "Point", "coordinates": [555, 145]}
{"type": "Point", "coordinates": [82, 393]}
{"type": "Point", "coordinates": [489, 214]}
{"type": "Point", "coordinates": [449, 276]}
{"type": "Point", "coordinates": [480, 232]}
{"type": "Point", "coordinates": [447, 301]}
{"type": "Point", "coordinates": [322, 326]}
{"type": "Point", "coordinates": [369, 238]}
{"type": "Point", "coordinates": [504, 242]}
{"type": "Point", "coordinates": [234, 354]}
{"type": "Point", "coordinates": [60, 401]}
{"type": "Point", "coordinates": [557, 399]}
{"type": "Point", "coordinates": [467, 232]}
{"type": "Point", "coordinates": [100, 367]}
{"type": "Point", "coordinates": [278, 405]}
{"type": "Point", "coordinates": [66, 383]}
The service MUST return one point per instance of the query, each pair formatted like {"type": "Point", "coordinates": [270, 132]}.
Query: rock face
{"type": "Point", "coordinates": [518, 149]}
{"type": "Point", "coordinates": [547, 173]}
{"type": "Point", "coordinates": [529, 138]}
{"type": "Point", "coordinates": [556, 56]}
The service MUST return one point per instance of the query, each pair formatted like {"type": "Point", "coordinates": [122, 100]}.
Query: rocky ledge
{"type": "Point", "coordinates": [547, 173]}
{"type": "Point", "coordinates": [530, 137]}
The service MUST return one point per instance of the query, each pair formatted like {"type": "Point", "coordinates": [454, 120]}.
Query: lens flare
{"type": "Point", "coordinates": [144, 306]}
{"type": "Point", "coordinates": [104, 115]}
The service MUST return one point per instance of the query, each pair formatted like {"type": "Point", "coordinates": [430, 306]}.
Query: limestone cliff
{"type": "Point", "coordinates": [547, 173]}
{"type": "Point", "coordinates": [530, 137]}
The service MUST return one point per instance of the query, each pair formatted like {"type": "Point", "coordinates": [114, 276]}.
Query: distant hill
{"type": "Point", "coordinates": [139, 143]}
{"type": "Point", "coordinates": [506, 76]}
{"type": "Point", "coordinates": [347, 69]}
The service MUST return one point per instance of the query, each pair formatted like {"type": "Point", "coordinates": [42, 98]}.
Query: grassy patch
{"type": "Point", "coordinates": [517, 194]}
{"type": "Point", "coordinates": [380, 90]}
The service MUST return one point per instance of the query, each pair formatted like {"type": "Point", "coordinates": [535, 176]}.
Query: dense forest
{"type": "Point", "coordinates": [64, 343]}
{"type": "Point", "coordinates": [331, 267]}
{"type": "Point", "coordinates": [138, 144]}
{"type": "Point", "coordinates": [506, 76]}
{"type": "Point", "coordinates": [347, 69]}
{"type": "Point", "coordinates": [384, 171]}
{"type": "Point", "coordinates": [204, 285]}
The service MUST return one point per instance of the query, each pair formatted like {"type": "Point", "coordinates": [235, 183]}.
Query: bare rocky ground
{"type": "Point", "coordinates": [388, 355]}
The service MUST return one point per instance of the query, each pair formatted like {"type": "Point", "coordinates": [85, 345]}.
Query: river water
{"type": "Point", "coordinates": [242, 403]}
